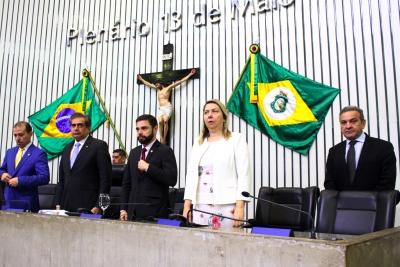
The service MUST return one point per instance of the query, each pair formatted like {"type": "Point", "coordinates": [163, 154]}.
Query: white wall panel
{"type": "Point", "coordinates": [350, 45]}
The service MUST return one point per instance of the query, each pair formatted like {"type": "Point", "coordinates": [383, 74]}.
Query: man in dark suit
{"type": "Point", "coordinates": [150, 171]}
{"type": "Point", "coordinates": [85, 169]}
{"type": "Point", "coordinates": [24, 169]}
{"type": "Point", "coordinates": [361, 162]}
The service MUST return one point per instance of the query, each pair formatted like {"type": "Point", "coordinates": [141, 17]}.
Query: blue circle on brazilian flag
{"type": "Point", "coordinates": [62, 120]}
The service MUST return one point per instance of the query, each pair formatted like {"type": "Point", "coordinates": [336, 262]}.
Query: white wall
{"type": "Point", "coordinates": [345, 44]}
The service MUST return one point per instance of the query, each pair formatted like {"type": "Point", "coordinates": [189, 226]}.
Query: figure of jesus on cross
{"type": "Point", "coordinates": [165, 108]}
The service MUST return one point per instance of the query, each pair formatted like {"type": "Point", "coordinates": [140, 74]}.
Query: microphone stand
{"type": "Point", "coordinates": [246, 194]}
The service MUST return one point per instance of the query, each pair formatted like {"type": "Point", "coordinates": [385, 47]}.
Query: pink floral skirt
{"type": "Point", "coordinates": [214, 221]}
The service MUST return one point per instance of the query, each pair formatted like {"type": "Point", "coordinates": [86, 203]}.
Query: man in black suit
{"type": "Point", "coordinates": [85, 169]}
{"type": "Point", "coordinates": [361, 162]}
{"type": "Point", "coordinates": [150, 171]}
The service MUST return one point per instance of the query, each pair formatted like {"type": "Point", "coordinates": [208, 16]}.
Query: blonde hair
{"type": "Point", "coordinates": [204, 133]}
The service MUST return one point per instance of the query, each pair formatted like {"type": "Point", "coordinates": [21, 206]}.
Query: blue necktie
{"type": "Point", "coordinates": [75, 154]}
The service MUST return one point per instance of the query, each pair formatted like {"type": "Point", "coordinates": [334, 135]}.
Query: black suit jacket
{"type": "Point", "coordinates": [151, 186]}
{"type": "Point", "coordinates": [80, 186]}
{"type": "Point", "coordinates": [376, 168]}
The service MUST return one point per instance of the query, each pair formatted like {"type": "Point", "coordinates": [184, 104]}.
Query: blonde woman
{"type": "Point", "coordinates": [218, 172]}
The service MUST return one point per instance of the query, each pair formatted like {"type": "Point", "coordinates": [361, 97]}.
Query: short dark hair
{"type": "Point", "coordinates": [147, 117]}
{"type": "Point", "coordinates": [353, 108]}
{"type": "Point", "coordinates": [88, 121]}
{"type": "Point", "coordinates": [28, 127]}
{"type": "Point", "coordinates": [121, 152]}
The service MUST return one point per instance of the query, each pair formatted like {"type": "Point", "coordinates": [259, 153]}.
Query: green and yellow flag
{"type": "Point", "coordinates": [284, 105]}
{"type": "Point", "coordinates": [51, 124]}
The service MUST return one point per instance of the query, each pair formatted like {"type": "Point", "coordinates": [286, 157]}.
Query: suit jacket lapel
{"type": "Point", "coordinates": [137, 155]}
{"type": "Point", "coordinates": [153, 148]}
{"type": "Point", "coordinates": [363, 156]}
{"type": "Point", "coordinates": [24, 158]}
{"type": "Point", "coordinates": [343, 163]}
{"type": "Point", "coordinates": [11, 160]}
{"type": "Point", "coordinates": [85, 146]}
{"type": "Point", "coordinates": [150, 154]}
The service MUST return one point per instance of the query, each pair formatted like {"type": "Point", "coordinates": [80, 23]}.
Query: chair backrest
{"type": "Point", "coordinates": [274, 216]}
{"type": "Point", "coordinates": [356, 212]}
{"type": "Point", "coordinates": [117, 174]}
{"type": "Point", "coordinates": [171, 198]}
{"type": "Point", "coordinates": [179, 201]}
{"type": "Point", "coordinates": [46, 196]}
{"type": "Point", "coordinates": [115, 197]}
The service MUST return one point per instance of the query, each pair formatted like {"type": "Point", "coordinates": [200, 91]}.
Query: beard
{"type": "Point", "coordinates": [145, 139]}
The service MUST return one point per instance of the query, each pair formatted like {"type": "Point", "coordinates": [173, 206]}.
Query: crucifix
{"type": "Point", "coordinates": [162, 81]}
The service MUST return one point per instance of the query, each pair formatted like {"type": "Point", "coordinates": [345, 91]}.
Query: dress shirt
{"type": "Point", "coordinates": [357, 147]}
{"type": "Point", "coordinates": [80, 147]}
{"type": "Point", "coordinates": [148, 147]}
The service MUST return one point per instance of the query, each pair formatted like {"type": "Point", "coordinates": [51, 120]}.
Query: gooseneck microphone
{"type": "Point", "coordinates": [247, 194]}
{"type": "Point", "coordinates": [250, 221]}
{"type": "Point", "coordinates": [18, 200]}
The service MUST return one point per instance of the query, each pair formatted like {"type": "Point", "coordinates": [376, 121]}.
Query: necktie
{"type": "Point", "coordinates": [143, 157]}
{"type": "Point", "coordinates": [19, 156]}
{"type": "Point", "coordinates": [351, 161]}
{"type": "Point", "coordinates": [75, 154]}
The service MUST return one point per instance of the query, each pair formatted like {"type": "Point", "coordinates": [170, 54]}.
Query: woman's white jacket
{"type": "Point", "coordinates": [231, 170]}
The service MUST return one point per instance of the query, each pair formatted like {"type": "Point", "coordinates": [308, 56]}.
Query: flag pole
{"type": "Point", "coordinates": [87, 73]}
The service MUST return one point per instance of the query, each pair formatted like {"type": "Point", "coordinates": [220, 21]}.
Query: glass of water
{"type": "Point", "coordinates": [104, 202]}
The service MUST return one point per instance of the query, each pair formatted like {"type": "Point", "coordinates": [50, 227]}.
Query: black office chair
{"type": "Point", "coordinates": [112, 212]}
{"type": "Point", "coordinates": [179, 201]}
{"type": "Point", "coordinates": [117, 174]}
{"type": "Point", "coordinates": [171, 198]}
{"type": "Point", "coordinates": [356, 212]}
{"type": "Point", "coordinates": [46, 196]}
{"type": "Point", "coordinates": [274, 216]}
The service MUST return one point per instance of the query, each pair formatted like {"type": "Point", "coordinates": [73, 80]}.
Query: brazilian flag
{"type": "Point", "coordinates": [284, 105]}
{"type": "Point", "coordinates": [51, 124]}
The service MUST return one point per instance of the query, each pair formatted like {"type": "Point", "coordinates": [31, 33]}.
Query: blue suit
{"type": "Point", "coordinates": [32, 171]}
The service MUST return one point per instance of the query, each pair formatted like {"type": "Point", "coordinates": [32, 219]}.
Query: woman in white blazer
{"type": "Point", "coordinates": [219, 170]}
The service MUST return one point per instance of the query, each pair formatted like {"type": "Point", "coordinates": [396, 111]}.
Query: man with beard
{"type": "Point", "coordinates": [165, 108]}
{"type": "Point", "coordinates": [150, 171]}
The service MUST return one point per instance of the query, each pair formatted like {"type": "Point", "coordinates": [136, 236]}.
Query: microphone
{"type": "Point", "coordinates": [247, 194]}
{"type": "Point", "coordinates": [250, 221]}
{"type": "Point", "coordinates": [18, 200]}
